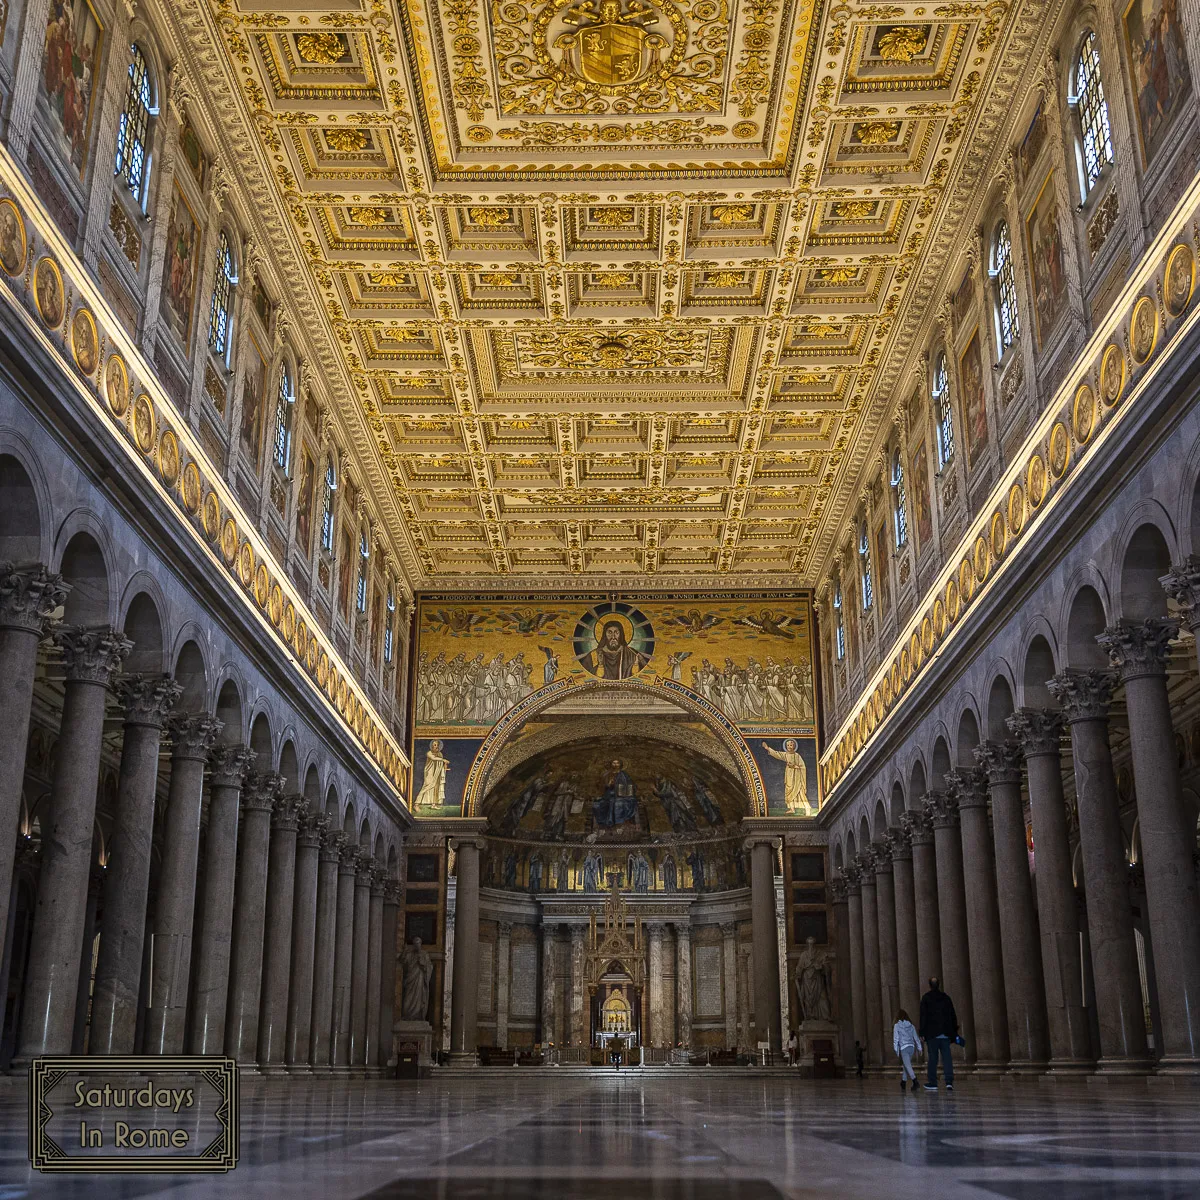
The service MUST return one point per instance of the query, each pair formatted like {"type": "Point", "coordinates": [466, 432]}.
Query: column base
{"type": "Point", "coordinates": [299, 1069]}
{"type": "Point", "coordinates": [1070, 1068]}
{"type": "Point", "coordinates": [248, 1068]}
{"type": "Point", "coordinates": [1177, 1064]}
{"type": "Point", "coordinates": [273, 1068]}
{"type": "Point", "coordinates": [374, 1072]}
{"type": "Point", "coordinates": [463, 1058]}
{"type": "Point", "coordinates": [1117, 1067]}
{"type": "Point", "coordinates": [1026, 1068]}
{"type": "Point", "coordinates": [342, 1070]}
{"type": "Point", "coordinates": [989, 1066]}
{"type": "Point", "coordinates": [321, 1069]}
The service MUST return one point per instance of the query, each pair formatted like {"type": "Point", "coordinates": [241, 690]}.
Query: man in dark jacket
{"type": "Point", "coordinates": [938, 1030]}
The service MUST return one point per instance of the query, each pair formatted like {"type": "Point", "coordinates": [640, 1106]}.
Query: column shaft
{"type": "Point", "coordinates": [842, 994]}
{"type": "Point", "coordinates": [360, 966]}
{"type": "Point", "coordinates": [925, 894]}
{"type": "Point", "coordinates": [375, 973]}
{"type": "Point", "coordinates": [210, 993]}
{"type": "Point", "coordinates": [874, 992]}
{"type": "Point", "coordinates": [304, 923]}
{"type": "Point", "coordinates": [907, 973]}
{"type": "Point", "coordinates": [503, 968]}
{"type": "Point", "coordinates": [683, 976]}
{"type": "Point", "coordinates": [766, 943]}
{"type": "Point", "coordinates": [277, 946]}
{"type": "Point", "coordinates": [579, 1030]}
{"type": "Point", "coordinates": [324, 942]}
{"type": "Point", "coordinates": [548, 1023]}
{"type": "Point", "coordinates": [343, 961]}
{"type": "Point", "coordinates": [729, 964]}
{"type": "Point", "coordinates": [464, 1039]}
{"type": "Point", "coordinates": [885, 908]}
{"type": "Point", "coordinates": [387, 1001]}
{"type": "Point", "coordinates": [858, 969]}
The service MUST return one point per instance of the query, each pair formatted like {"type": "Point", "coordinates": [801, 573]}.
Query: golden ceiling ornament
{"type": "Point", "coordinates": [902, 43]}
{"type": "Point", "coordinates": [725, 279]}
{"type": "Point", "coordinates": [610, 216]}
{"type": "Point", "coordinates": [505, 279]}
{"type": "Point", "coordinates": [347, 141]}
{"type": "Point", "coordinates": [323, 48]}
{"type": "Point", "coordinates": [874, 133]}
{"type": "Point", "coordinates": [836, 274]}
{"type": "Point", "coordinates": [732, 214]}
{"type": "Point", "coordinates": [489, 216]}
{"type": "Point", "coordinates": [613, 279]}
{"type": "Point", "coordinates": [370, 216]}
{"type": "Point", "coordinates": [854, 210]}
{"type": "Point", "coordinates": [600, 349]}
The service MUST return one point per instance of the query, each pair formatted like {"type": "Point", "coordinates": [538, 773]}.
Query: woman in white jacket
{"type": "Point", "coordinates": [906, 1043]}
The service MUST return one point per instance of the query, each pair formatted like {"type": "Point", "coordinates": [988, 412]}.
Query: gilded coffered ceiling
{"type": "Point", "coordinates": [614, 284]}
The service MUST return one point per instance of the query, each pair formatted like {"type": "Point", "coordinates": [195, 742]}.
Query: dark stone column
{"type": "Point", "coordinates": [249, 918]}
{"type": "Point", "coordinates": [908, 977]}
{"type": "Point", "coordinates": [29, 595]}
{"type": "Point", "coordinates": [360, 962]}
{"type": "Point", "coordinates": [227, 771]}
{"type": "Point", "coordinates": [1085, 697]}
{"type": "Point", "coordinates": [464, 1038]}
{"type": "Point", "coordinates": [839, 890]}
{"type": "Point", "coordinates": [343, 962]}
{"type": "Point", "coordinates": [374, 969]}
{"type": "Point", "coordinates": [983, 920]}
{"type": "Point", "coordinates": [865, 863]}
{"type": "Point", "coordinates": [858, 972]}
{"type": "Point", "coordinates": [885, 907]}
{"type": "Point", "coordinates": [92, 658]}
{"type": "Point", "coordinates": [325, 943]}
{"type": "Point", "coordinates": [1139, 651]}
{"type": "Point", "coordinates": [1038, 731]}
{"type": "Point", "coordinates": [952, 912]}
{"type": "Point", "coordinates": [277, 942]}
{"type": "Point", "coordinates": [304, 927]}
{"type": "Point", "coordinates": [1024, 990]}
{"type": "Point", "coordinates": [192, 737]}
{"type": "Point", "coordinates": [765, 934]}
{"type": "Point", "coordinates": [919, 828]}
{"type": "Point", "coordinates": [147, 702]}
{"type": "Point", "coordinates": [387, 1004]}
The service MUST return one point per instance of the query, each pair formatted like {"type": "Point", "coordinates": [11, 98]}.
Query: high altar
{"type": "Point", "coordinates": [614, 972]}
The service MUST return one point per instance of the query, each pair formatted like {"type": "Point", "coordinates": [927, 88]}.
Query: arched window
{"type": "Point", "coordinates": [839, 623]}
{"type": "Point", "coordinates": [1008, 320]}
{"type": "Point", "coordinates": [899, 501]}
{"type": "Point", "coordinates": [1092, 110]}
{"type": "Point", "coordinates": [133, 133]}
{"type": "Point", "coordinates": [220, 318]}
{"type": "Point", "coordinates": [864, 563]}
{"type": "Point", "coordinates": [284, 407]}
{"type": "Point", "coordinates": [389, 629]}
{"type": "Point", "coordinates": [327, 508]}
{"type": "Point", "coordinates": [945, 416]}
{"type": "Point", "coordinates": [364, 552]}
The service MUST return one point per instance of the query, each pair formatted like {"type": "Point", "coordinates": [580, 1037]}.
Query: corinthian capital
{"type": "Point", "coordinates": [1139, 648]}
{"type": "Point", "coordinates": [1037, 730]}
{"type": "Point", "coordinates": [839, 890]}
{"type": "Point", "coordinates": [917, 826]}
{"type": "Point", "coordinates": [901, 840]}
{"type": "Point", "coordinates": [942, 808]}
{"type": "Point", "coordinates": [260, 790]}
{"type": "Point", "coordinates": [312, 827]}
{"type": "Point", "coordinates": [148, 699]}
{"type": "Point", "coordinates": [92, 654]}
{"type": "Point", "coordinates": [968, 786]}
{"type": "Point", "coordinates": [1083, 695]}
{"type": "Point", "coordinates": [228, 765]}
{"type": "Point", "coordinates": [853, 878]}
{"type": "Point", "coordinates": [29, 595]}
{"type": "Point", "coordinates": [285, 812]}
{"type": "Point", "coordinates": [193, 734]}
{"type": "Point", "coordinates": [1182, 584]}
{"type": "Point", "coordinates": [1001, 761]}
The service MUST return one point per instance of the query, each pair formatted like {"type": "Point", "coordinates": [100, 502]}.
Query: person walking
{"type": "Point", "coordinates": [793, 1048]}
{"type": "Point", "coordinates": [938, 1028]}
{"type": "Point", "coordinates": [906, 1043]}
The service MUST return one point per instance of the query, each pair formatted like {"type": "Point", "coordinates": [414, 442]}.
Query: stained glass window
{"type": "Point", "coordinates": [219, 318]}
{"type": "Point", "coordinates": [864, 558]}
{"type": "Point", "coordinates": [840, 624]}
{"type": "Point", "coordinates": [364, 551]}
{"type": "Point", "coordinates": [899, 501]}
{"type": "Point", "coordinates": [945, 416]}
{"type": "Point", "coordinates": [1008, 320]}
{"type": "Point", "coordinates": [283, 420]}
{"type": "Point", "coordinates": [1093, 113]}
{"type": "Point", "coordinates": [327, 508]}
{"type": "Point", "coordinates": [389, 632]}
{"type": "Point", "coordinates": [134, 128]}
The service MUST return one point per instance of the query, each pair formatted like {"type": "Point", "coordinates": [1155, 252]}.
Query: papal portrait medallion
{"type": "Point", "coordinates": [1143, 329]}
{"type": "Point", "coordinates": [614, 640]}
{"type": "Point", "coordinates": [116, 386]}
{"type": "Point", "coordinates": [48, 292]}
{"type": "Point", "coordinates": [1179, 279]}
{"type": "Point", "coordinates": [85, 344]}
{"type": "Point", "coordinates": [12, 238]}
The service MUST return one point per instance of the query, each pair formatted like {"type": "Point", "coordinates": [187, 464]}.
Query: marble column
{"type": "Point", "coordinates": [464, 1038]}
{"type": "Point", "coordinates": [375, 970]}
{"type": "Point", "coordinates": [865, 863]}
{"type": "Point", "coordinates": [658, 1014]}
{"type": "Point", "coordinates": [324, 952]}
{"type": "Point", "coordinates": [919, 827]}
{"type": "Point", "coordinates": [343, 961]}
{"type": "Point", "coordinates": [1024, 990]}
{"type": "Point", "coordinates": [147, 701]}
{"type": "Point", "coordinates": [29, 595]}
{"type": "Point", "coordinates": [683, 984]}
{"type": "Point", "coordinates": [503, 957]}
{"type": "Point", "coordinates": [839, 892]}
{"type": "Point", "coordinates": [227, 772]}
{"type": "Point", "coordinates": [93, 657]}
{"type": "Point", "coordinates": [729, 950]}
{"type": "Point", "coordinates": [579, 1022]}
{"type": "Point", "coordinates": [277, 937]}
{"type": "Point", "coordinates": [1085, 697]}
{"type": "Point", "coordinates": [952, 911]}
{"type": "Point", "coordinates": [885, 908]}
{"type": "Point", "coordinates": [312, 826]}
{"type": "Point", "coordinates": [387, 985]}
{"type": "Point", "coordinates": [764, 931]}
{"type": "Point", "coordinates": [907, 975]}
{"type": "Point", "coordinates": [249, 918]}
{"type": "Point", "coordinates": [858, 970]}
{"type": "Point", "coordinates": [192, 737]}
{"type": "Point", "coordinates": [548, 1023]}
{"type": "Point", "coordinates": [361, 961]}
{"type": "Point", "coordinates": [969, 786]}
{"type": "Point", "coordinates": [1038, 731]}
{"type": "Point", "coordinates": [1139, 651]}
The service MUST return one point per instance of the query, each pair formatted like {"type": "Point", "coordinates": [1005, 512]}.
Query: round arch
{"type": "Point", "coordinates": [670, 690]}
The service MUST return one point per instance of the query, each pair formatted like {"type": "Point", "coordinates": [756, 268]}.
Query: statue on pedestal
{"type": "Point", "coordinates": [813, 971]}
{"type": "Point", "coordinates": [417, 967]}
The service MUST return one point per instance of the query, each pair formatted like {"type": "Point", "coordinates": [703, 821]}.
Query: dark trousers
{"type": "Point", "coordinates": [939, 1046]}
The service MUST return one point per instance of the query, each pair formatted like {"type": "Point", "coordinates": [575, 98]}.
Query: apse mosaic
{"type": "Point", "coordinates": [748, 658]}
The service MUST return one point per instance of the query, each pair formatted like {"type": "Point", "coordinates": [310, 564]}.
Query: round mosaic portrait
{"type": "Point", "coordinates": [614, 640]}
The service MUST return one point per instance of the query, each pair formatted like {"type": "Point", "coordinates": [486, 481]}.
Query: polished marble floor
{"type": "Point", "coordinates": [547, 1135]}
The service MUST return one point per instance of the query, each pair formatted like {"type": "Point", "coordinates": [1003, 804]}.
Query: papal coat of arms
{"type": "Point", "coordinates": [610, 56]}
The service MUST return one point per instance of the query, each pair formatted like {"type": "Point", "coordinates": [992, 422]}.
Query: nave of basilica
{"type": "Point", "coordinates": [562, 560]}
